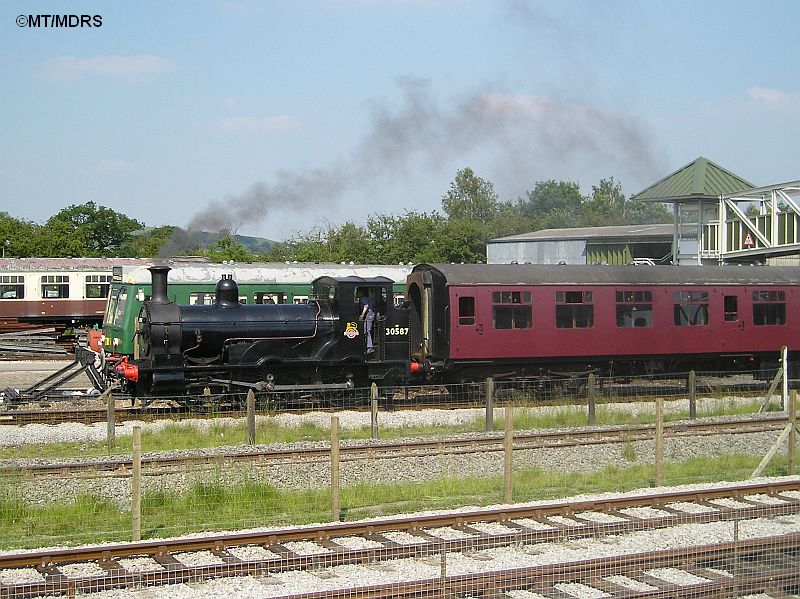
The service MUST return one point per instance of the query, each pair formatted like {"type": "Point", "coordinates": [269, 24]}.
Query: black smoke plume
{"type": "Point", "coordinates": [528, 134]}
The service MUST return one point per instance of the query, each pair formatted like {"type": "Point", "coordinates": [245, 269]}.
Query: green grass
{"type": "Point", "coordinates": [211, 506]}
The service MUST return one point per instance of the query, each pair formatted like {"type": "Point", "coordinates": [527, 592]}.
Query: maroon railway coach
{"type": "Point", "coordinates": [472, 321]}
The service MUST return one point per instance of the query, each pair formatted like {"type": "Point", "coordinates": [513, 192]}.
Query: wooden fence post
{"type": "Point", "coordinates": [111, 430]}
{"type": "Point", "coordinates": [136, 486]}
{"type": "Point", "coordinates": [592, 396]}
{"type": "Point", "coordinates": [508, 447]}
{"type": "Point", "coordinates": [794, 432]}
{"type": "Point", "coordinates": [251, 417]}
{"type": "Point", "coordinates": [659, 442]}
{"type": "Point", "coordinates": [334, 468]}
{"type": "Point", "coordinates": [691, 384]}
{"type": "Point", "coordinates": [373, 413]}
{"type": "Point", "coordinates": [785, 368]}
{"type": "Point", "coordinates": [489, 404]}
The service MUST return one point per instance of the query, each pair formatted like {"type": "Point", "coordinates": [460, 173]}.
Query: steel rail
{"type": "Point", "coordinates": [18, 415]}
{"type": "Point", "coordinates": [785, 574]}
{"type": "Point", "coordinates": [360, 450]}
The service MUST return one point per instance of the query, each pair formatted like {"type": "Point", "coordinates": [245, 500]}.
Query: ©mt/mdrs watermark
{"type": "Point", "coordinates": [60, 21]}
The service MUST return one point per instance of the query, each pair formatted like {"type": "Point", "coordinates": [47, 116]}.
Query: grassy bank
{"type": "Point", "coordinates": [216, 507]}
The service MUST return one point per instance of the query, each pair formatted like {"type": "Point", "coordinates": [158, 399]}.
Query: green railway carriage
{"type": "Point", "coordinates": [194, 284]}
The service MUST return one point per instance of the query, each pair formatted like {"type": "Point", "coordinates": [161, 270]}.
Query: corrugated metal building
{"type": "Point", "coordinates": [587, 245]}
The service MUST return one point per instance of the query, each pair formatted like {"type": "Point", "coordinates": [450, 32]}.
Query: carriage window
{"type": "Point", "coordinates": [55, 286]}
{"type": "Point", "coordinates": [201, 298]}
{"type": "Point", "coordinates": [634, 309]}
{"type": "Point", "coordinates": [512, 310]}
{"type": "Point", "coordinates": [300, 299]}
{"type": "Point", "coordinates": [466, 310]}
{"type": "Point", "coordinates": [97, 286]}
{"type": "Point", "coordinates": [12, 287]}
{"type": "Point", "coordinates": [769, 307]}
{"type": "Point", "coordinates": [267, 297]}
{"type": "Point", "coordinates": [691, 308]}
{"type": "Point", "coordinates": [574, 310]}
{"type": "Point", "coordinates": [731, 307]}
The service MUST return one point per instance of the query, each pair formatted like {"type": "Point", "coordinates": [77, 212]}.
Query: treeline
{"type": "Point", "coordinates": [471, 213]}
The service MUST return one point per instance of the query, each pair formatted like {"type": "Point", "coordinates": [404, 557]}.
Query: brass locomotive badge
{"type": "Point", "coordinates": [351, 330]}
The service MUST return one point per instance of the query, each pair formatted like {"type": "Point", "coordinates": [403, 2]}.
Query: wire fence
{"type": "Point", "coordinates": [226, 486]}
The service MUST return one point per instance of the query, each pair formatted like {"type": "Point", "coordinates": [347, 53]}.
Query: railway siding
{"type": "Point", "coordinates": [304, 466]}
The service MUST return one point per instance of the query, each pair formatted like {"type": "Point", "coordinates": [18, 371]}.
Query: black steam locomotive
{"type": "Point", "coordinates": [231, 347]}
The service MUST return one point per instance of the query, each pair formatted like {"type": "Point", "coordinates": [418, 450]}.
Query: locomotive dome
{"type": "Point", "coordinates": [227, 292]}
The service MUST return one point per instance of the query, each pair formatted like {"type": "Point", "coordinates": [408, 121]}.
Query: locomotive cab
{"type": "Point", "coordinates": [343, 295]}
{"type": "Point", "coordinates": [390, 332]}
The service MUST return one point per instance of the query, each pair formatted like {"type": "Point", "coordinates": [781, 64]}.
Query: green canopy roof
{"type": "Point", "coordinates": [701, 179]}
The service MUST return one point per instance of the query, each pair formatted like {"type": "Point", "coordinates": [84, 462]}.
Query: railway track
{"type": "Point", "coordinates": [51, 408]}
{"type": "Point", "coordinates": [770, 564]}
{"type": "Point", "coordinates": [363, 450]}
{"type": "Point", "coordinates": [18, 416]}
{"type": "Point", "coordinates": [757, 564]}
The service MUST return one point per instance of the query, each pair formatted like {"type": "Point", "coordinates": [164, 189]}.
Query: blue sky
{"type": "Point", "coordinates": [280, 117]}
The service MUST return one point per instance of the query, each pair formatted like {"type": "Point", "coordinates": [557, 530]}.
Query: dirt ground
{"type": "Point", "coordinates": [21, 374]}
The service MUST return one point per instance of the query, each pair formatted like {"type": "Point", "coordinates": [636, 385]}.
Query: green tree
{"type": "Point", "coordinates": [227, 248]}
{"type": "Point", "coordinates": [552, 204]}
{"type": "Point", "coordinates": [411, 237]}
{"type": "Point", "coordinates": [59, 240]}
{"type": "Point", "coordinates": [104, 230]}
{"type": "Point", "coordinates": [470, 197]}
{"type": "Point", "coordinates": [460, 240]}
{"type": "Point", "coordinates": [18, 237]}
{"type": "Point", "coordinates": [146, 243]}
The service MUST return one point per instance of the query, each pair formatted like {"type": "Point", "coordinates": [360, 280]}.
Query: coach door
{"type": "Point", "coordinates": [733, 323]}
{"type": "Point", "coordinates": [418, 292]}
{"type": "Point", "coordinates": [467, 323]}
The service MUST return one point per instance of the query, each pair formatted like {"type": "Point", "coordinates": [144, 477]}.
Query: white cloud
{"type": "Point", "coordinates": [256, 124]}
{"type": "Point", "coordinates": [768, 95]}
{"type": "Point", "coordinates": [69, 68]}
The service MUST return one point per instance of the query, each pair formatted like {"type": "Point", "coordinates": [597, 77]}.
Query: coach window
{"type": "Point", "coordinates": [574, 310]}
{"type": "Point", "coordinates": [267, 297]}
{"type": "Point", "coordinates": [12, 287]}
{"type": "Point", "coordinates": [55, 286]}
{"type": "Point", "coordinates": [201, 298]}
{"type": "Point", "coordinates": [634, 309]}
{"type": "Point", "coordinates": [97, 286]}
{"type": "Point", "coordinates": [731, 307]}
{"type": "Point", "coordinates": [769, 307]}
{"type": "Point", "coordinates": [466, 310]}
{"type": "Point", "coordinates": [691, 308]}
{"type": "Point", "coordinates": [512, 310]}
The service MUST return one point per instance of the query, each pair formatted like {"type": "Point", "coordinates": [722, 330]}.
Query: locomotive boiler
{"type": "Point", "coordinates": [229, 346]}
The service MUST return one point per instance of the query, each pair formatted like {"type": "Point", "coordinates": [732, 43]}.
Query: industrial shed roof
{"type": "Point", "coordinates": [548, 274]}
{"type": "Point", "coordinates": [701, 179]}
{"type": "Point", "coordinates": [610, 233]}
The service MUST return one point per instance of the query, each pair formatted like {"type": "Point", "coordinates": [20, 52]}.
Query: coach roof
{"type": "Point", "coordinates": [547, 274]}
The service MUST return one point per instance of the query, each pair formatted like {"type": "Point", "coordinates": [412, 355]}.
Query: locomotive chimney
{"type": "Point", "coordinates": [158, 275]}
